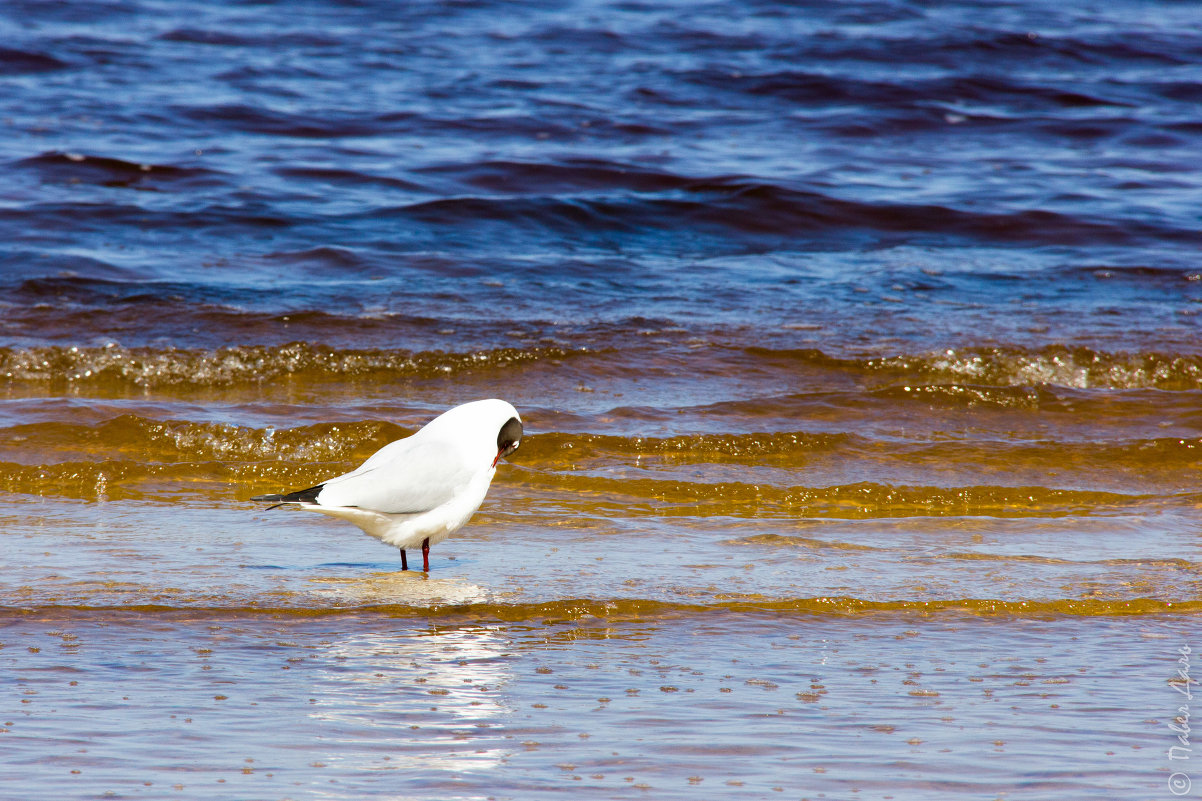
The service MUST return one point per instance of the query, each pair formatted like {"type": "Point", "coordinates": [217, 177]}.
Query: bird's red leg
{"type": "Point", "coordinates": [426, 554]}
{"type": "Point", "coordinates": [404, 561]}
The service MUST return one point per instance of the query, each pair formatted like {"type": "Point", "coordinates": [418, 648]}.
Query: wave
{"type": "Point", "coordinates": [952, 47]}
{"type": "Point", "coordinates": [757, 208]}
{"type": "Point", "coordinates": [792, 541]}
{"type": "Point", "coordinates": [348, 178]}
{"type": "Point", "coordinates": [332, 123]}
{"type": "Point", "coordinates": [242, 38]}
{"type": "Point", "coordinates": [96, 303]}
{"type": "Point", "coordinates": [22, 62]}
{"type": "Point", "coordinates": [169, 440]}
{"type": "Point", "coordinates": [553, 447]}
{"type": "Point", "coordinates": [177, 440]}
{"type": "Point", "coordinates": [580, 175]}
{"type": "Point", "coordinates": [1007, 376]}
{"type": "Point", "coordinates": [114, 172]}
{"type": "Point", "coordinates": [1082, 368]}
{"type": "Point", "coordinates": [156, 367]}
{"type": "Point", "coordinates": [185, 440]}
{"type": "Point", "coordinates": [647, 611]}
{"type": "Point", "coordinates": [1147, 456]}
{"type": "Point", "coordinates": [861, 500]}
{"type": "Point", "coordinates": [1053, 365]}
{"type": "Point", "coordinates": [805, 87]}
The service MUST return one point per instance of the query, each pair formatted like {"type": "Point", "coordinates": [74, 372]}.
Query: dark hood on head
{"type": "Point", "coordinates": [510, 435]}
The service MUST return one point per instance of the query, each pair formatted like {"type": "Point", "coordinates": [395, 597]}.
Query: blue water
{"type": "Point", "coordinates": [708, 164]}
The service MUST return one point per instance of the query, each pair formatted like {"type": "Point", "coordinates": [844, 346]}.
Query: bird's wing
{"type": "Point", "coordinates": [404, 477]}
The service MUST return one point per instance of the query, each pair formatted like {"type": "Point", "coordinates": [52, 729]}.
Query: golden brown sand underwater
{"type": "Point", "coordinates": [858, 580]}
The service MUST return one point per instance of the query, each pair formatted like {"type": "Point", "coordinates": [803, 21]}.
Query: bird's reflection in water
{"type": "Point", "coordinates": [396, 587]}
{"type": "Point", "coordinates": [421, 699]}
{"type": "Point", "coordinates": [427, 701]}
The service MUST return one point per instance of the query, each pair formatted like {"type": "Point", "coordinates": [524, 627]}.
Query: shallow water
{"type": "Point", "coordinates": [857, 347]}
{"type": "Point", "coordinates": [699, 705]}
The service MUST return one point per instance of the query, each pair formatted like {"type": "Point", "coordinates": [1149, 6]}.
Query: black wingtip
{"type": "Point", "coordinates": [300, 496]}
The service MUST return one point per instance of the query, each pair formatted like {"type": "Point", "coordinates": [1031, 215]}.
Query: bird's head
{"type": "Point", "coordinates": [482, 430]}
{"type": "Point", "coordinates": [508, 438]}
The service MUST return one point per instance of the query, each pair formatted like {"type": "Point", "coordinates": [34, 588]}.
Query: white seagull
{"type": "Point", "coordinates": [421, 489]}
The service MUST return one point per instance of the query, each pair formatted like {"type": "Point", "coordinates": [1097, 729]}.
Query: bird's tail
{"type": "Point", "coordinates": [300, 496]}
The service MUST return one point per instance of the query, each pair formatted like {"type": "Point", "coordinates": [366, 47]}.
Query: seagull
{"type": "Point", "coordinates": [421, 489]}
